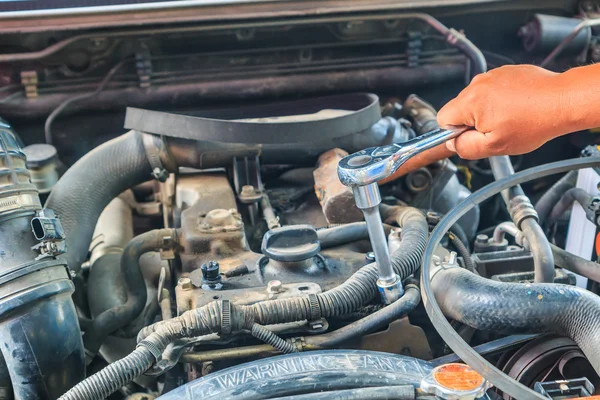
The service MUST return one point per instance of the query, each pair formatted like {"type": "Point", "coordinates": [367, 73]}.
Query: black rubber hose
{"type": "Point", "coordinates": [345, 233]}
{"type": "Point", "coordinates": [439, 321]}
{"type": "Point", "coordinates": [462, 251]}
{"type": "Point", "coordinates": [379, 319]}
{"type": "Point", "coordinates": [505, 307]}
{"type": "Point", "coordinates": [578, 265]}
{"type": "Point", "coordinates": [119, 316]}
{"type": "Point", "coordinates": [549, 199]}
{"type": "Point", "coordinates": [566, 202]}
{"type": "Point", "coordinates": [90, 184]}
{"type": "Point", "coordinates": [367, 393]}
{"type": "Point", "coordinates": [267, 336]}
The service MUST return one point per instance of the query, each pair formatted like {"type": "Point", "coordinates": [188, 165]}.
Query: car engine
{"type": "Point", "coordinates": [198, 200]}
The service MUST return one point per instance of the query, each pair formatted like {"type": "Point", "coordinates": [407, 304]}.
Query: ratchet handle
{"type": "Point", "coordinates": [376, 163]}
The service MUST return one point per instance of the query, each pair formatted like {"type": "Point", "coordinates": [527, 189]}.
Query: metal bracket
{"type": "Point", "coordinates": [414, 48]}
{"type": "Point", "coordinates": [143, 65]}
{"type": "Point", "coordinates": [49, 231]}
{"type": "Point", "coordinates": [246, 179]}
{"type": "Point", "coordinates": [29, 80]}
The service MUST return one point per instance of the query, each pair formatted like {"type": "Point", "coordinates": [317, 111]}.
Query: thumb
{"type": "Point", "coordinates": [472, 145]}
{"type": "Point", "coordinates": [455, 113]}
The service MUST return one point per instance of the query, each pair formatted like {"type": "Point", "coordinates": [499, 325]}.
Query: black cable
{"type": "Point", "coordinates": [62, 106]}
{"type": "Point", "coordinates": [439, 321]}
{"type": "Point", "coordinates": [462, 251]}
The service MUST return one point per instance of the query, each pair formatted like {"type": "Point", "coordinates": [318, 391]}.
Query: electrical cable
{"type": "Point", "coordinates": [439, 321]}
{"type": "Point", "coordinates": [62, 106]}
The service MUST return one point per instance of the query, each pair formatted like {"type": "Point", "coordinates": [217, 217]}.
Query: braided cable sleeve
{"type": "Point", "coordinates": [265, 335]}
{"type": "Point", "coordinates": [110, 379]}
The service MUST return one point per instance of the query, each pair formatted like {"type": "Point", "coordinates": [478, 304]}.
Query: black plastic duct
{"type": "Point", "coordinates": [39, 333]}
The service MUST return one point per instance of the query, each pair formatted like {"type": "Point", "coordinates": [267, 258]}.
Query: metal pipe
{"type": "Point", "coordinates": [229, 354]}
{"type": "Point", "coordinates": [565, 42]}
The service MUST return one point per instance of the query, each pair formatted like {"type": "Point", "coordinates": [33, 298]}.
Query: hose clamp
{"type": "Point", "coordinates": [152, 348]}
{"type": "Point", "coordinates": [154, 146]}
{"type": "Point", "coordinates": [225, 317]}
{"type": "Point", "coordinates": [315, 308]}
{"type": "Point", "coordinates": [520, 208]}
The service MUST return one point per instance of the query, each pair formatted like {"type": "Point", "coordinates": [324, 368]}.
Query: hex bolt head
{"type": "Point", "coordinates": [274, 286]}
{"type": "Point", "coordinates": [185, 283]}
{"type": "Point", "coordinates": [370, 257]}
{"type": "Point", "coordinates": [248, 190]}
{"type": "Point", "coordinates": [481, 239]}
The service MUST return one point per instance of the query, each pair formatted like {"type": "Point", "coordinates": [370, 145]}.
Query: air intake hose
{"type": "Point", "coordinates": [40, 337]}
{"type": "Point", "coordinates": [91, 183]}
{"type": "Point", "coordinates": [518, 307]}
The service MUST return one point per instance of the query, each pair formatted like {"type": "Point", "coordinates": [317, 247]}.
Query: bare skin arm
{"type": "Point", "coordinates": [514, 110]}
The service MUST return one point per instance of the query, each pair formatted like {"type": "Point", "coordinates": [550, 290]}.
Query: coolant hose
{"type": "Point", "coordinates": [505, 307]}
{"type": "Point", "coordinates": [355, 292]}
{"type": "Point", "coordinates": [575, 264]}
{"type": "Point", "coordinates": [566, 202]}
{"type": "Point", "coordinates": [345, 233]}
{"type": "Point", "coordinates": [117, 317]}
{"type": "Point", "coordinates": [83, 192]}
{"type": "Point", "coordinates": [549, 199]}
{"type": "Point", "coordinates": [438, 319]}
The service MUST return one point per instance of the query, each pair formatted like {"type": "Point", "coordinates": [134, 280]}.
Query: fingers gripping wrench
{"type": "Point", "coordinates": [362, 171]}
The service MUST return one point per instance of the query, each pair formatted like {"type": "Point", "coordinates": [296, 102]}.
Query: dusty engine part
{"type": "Point", "coordinates": [544, 32]}
{"type": "Point", "coordinates": [336, 199]}
{"type": "Point", "coordinates": [42, 347]}
{"type": "Point", "coordinates": [41, 162]}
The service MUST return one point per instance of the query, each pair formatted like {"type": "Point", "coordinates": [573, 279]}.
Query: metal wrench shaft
{"type": "Point", "coordinates": [376, 163]}
{"type": "Point", "coordinates": [362, 171]}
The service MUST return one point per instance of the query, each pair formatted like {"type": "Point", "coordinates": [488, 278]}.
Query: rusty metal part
{"type": "Point", "coordinates": [206, 191]}
{"type": "Point", "coordinates": [399, 338]}
{"type": "Point", "coordinates": [263, 350]}
{"type": "Point", "coordinates": [336, 199]}
{"type": "Point", "coordinates": [208, 230]}
{"type": "Point", "coordinates": [246, 89]}
{"type": "Point", "coordinates": [165, 305]}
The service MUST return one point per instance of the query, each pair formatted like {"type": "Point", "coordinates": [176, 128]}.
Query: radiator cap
{"type": "Point", "coordinates": [455, 382]}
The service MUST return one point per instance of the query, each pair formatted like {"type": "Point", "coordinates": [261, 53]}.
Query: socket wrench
{"type": "Point", "coordinates": [362, 171]}
{"type": "Point", "coordinates": [376, 163]}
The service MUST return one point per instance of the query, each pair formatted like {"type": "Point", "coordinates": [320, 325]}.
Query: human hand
{"type": "Point", "coordinates": [513, 110]}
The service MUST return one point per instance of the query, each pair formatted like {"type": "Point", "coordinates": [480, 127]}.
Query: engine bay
{"type": "Point", "coordinates": [206, 202]}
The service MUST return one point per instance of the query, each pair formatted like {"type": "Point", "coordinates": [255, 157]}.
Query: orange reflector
{"type": "Point", "coordinates": [458, 377]}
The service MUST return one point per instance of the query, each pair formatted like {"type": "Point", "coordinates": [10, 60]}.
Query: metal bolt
{"type": "Point", "coordinates": [370, 257]}
{"type": "Point", "coordinates": [451, 259]}
{"type": "Point", "coordinates": [185, 283]}
{"type": "Point", "coordinates": [274, 286]}
{"type": "Point", "coordinates": [248, 190]}
{"type": "Point", "coordinates": [481, 239]}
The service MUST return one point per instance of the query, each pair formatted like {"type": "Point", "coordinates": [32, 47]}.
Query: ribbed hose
{"type": "Point", "coordinates": [566, 202]}
{"type": "Point", "coordinates": [265, 335]}
{"type": "Point", "coordinates": [359, 289]}
{"type": "Point", "coordinates": [553, 195]}
{"type": "Point", "coordinates": [517, 307]}
{"type": "Point", "coordinates": [90, 184]}
{"type": "Point", "coordinates": [111, 378]}
{"type": "Point", "coordinates": [462, 251]}
{"type": "Point", "coordinates": [118, 317]}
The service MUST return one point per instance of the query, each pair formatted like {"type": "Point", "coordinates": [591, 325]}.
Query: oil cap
{"type": "Point", "coordinates": [455, 382]}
